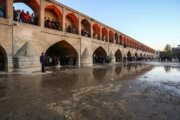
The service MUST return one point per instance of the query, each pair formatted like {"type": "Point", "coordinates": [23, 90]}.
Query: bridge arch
{"type": "Point", "coordinates": [120, 40]}
{"type": "Point", "coordinates": [136, 55]}
{"type": "Point", "coordinates": [111, 36]}
{"type": "Point", "coordinates": [124, 41]}
{"type": "Point", "coordinates": [67, 53]}
{"type": "Point", "coordinates": [127, 42]}
{"type": "Point", "coordinates": [116, 38]}
{"type": "Point", "coordinates": [33, 4]}
{"type": "Point", "coordinates": [118, 56]}
{"type": "Point", "coordinates": [85, 28]}
{"type": "Point", "coordinates": [104, 34]}
{"type": "Point", "coordinates": [71, 23]}
{"type": "Point", "coordinates": [3, 59]}
{"type": "Point", "coordinates": [96, 31]}
{"type": "Point", "coordinates": [53, 13]}
{"type": "Point", "coordinates": [99, 55]}
{"type": "Point", "coordinates": [129, 56]}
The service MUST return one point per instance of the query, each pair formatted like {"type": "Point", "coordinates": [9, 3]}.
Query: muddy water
{"type": "Point", "coordinates": [135, 91]}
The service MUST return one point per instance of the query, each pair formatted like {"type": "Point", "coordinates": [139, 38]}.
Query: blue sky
{"type": "Point", "coordinates": [152, 22]}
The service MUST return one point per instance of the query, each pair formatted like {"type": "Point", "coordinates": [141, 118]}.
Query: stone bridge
{"type": "Point", "coordinates": [21, 44]}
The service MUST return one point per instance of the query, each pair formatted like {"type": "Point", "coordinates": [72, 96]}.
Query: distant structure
{"type": "Point", "coordinates": [176, 48]}
{"type": "Point", "coordinates": [61, 31]}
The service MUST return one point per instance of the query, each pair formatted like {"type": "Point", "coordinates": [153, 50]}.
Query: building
{"type": "Point", "coordinates": [176, 48]}
{"type": "Point", "coordinates": [21, 44]}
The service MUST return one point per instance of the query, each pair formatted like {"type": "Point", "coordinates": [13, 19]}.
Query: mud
{"type": "Point", "coordinates": [134, 91]}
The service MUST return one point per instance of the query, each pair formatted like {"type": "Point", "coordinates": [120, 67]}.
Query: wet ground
{"type": "Point", "coordinates": [134, 91]}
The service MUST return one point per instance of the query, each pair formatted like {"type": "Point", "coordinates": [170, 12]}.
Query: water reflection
{"type": "Point", "coordinates": [99, 73]}
{"type": "Point", "coordinates": [167, 68]}
{"type": "Point", "coordinates": [118, 69]}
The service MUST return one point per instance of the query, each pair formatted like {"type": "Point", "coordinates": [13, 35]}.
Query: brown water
{"type": "Point", "coordinates": [133, 91]}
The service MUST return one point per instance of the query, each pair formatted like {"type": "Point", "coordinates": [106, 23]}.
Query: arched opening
{"type": "Point", "coordinates": [53, 18]}
{"type": "Point", "coordinates": [116, 38]}
{"type": "Point", "coordinates": [2, 8]}
{"type": "Point", "coordinates": [3, 59]}
{"type": "Point", "coordinates": [85, 28]}
{"type": "Point", "coordinates": [104, 34]}
{"type": "Point", "coordinates": [124, 41]}
{"type": "Point", "coordinates": [127, 42]}
{"type": "Point", "coordinates": [96, 32]}
{"type": "Point", "coordinates": [63, 52]}
{"type": "Point", "coordinates": [120, 39]}
{"type": "Point", "coordinates": [71, 23]}
{"type": "Point", "coordinates": [141, 55]}
{"type": "Point", "coordinates": [100, 56]}
{"type": "Point", "coordinates": [118, 56]}
{"type": "Point", "coordinates": [136, 55]}
{"type": "Point", "coordinates": [130, 43]}
{"type": "Point", "coordinates": [129, 57]}
{"type": "Point", "coordinates": [27, 11]}
{"type": "Point", "coordinates": [111, 38]}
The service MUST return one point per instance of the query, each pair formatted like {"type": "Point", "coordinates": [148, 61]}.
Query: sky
{"type": "Point", "coordinates": [152, 22]}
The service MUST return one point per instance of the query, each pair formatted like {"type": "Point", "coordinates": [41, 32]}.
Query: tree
{"type": "Point", "coordinates": [168, 48]}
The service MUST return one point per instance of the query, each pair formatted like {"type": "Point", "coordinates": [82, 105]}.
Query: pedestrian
{"type": "Point", "coordinates": [50, 61]}
{"type": "Point", "coordinates": [18, 15]}
{"type": "Point", "coordinates": [1, 11]}
{"type": "Point", "coordinates": [22, 16]}
{"type": "Point", "coordinates": [42, 61]}
{"type": "Point", "coordinates": [32, 18]}
{"type": "Point", "coordinates": [27, 17]}
{"type": "Point", "coordinates": [15, 15]}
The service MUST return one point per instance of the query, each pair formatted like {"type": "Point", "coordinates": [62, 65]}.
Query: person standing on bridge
{"type": "Point", "coordinates": [43, 61]}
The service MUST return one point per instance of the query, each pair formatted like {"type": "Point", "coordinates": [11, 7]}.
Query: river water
{"type": "Point", "coordinates": [129, 91]}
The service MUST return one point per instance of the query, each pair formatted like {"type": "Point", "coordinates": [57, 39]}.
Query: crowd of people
{"type": "Point", "coordinates": [57, 60]}
{"type": "Point", "coordinates": [52, 23]}
{"type": "Point", "coordinates": [168, 59]}
{"type": "Point", "coordinates": [25, 17]}
{"type": "Point", "coordinates": [71, 29]}
{"type": "Point", "coordinates": [85, 33]}
{"type": "Point", "coordinates": [48, 61]}
{"type": "Point", "coordinates": [107, 59]}
{"type": "Point", "coordinates": [101, 59]}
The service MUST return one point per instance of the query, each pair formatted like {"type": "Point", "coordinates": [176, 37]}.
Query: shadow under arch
{"type": "Point", "coordinates": [118, 56]}
{"type": "Point", "coordinates": [99, 55]}
{"type": "Point", "coordinates": [129, 56]}
{"type": "Point", "coordinates": [136, 55]}
{"type": "Point", "coordinates": [67, 53]}
{"type": "Point", "coordinates": [120, 40]}
{"type": "Point", "coordinates": [3, 59]}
